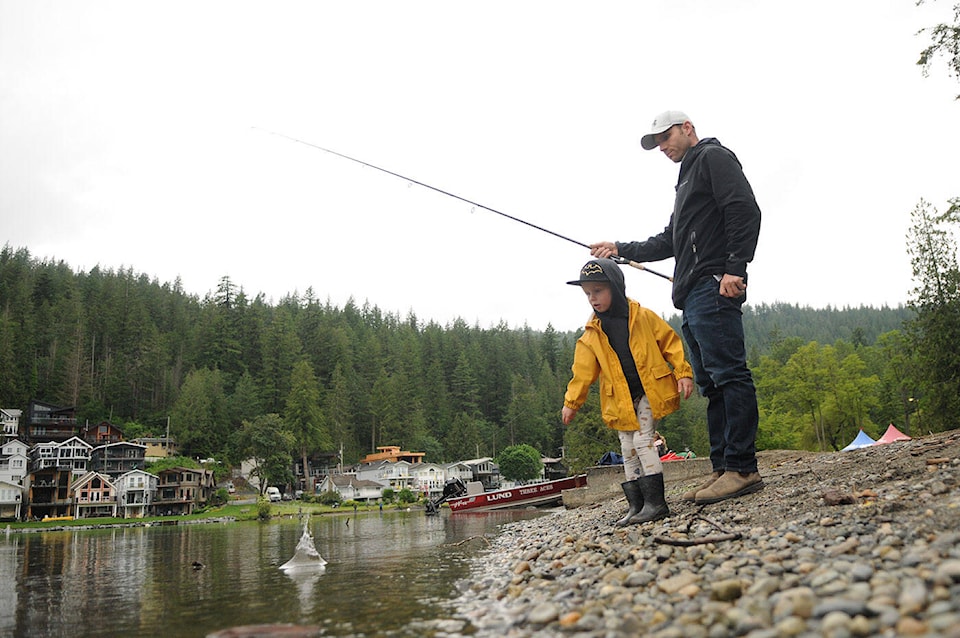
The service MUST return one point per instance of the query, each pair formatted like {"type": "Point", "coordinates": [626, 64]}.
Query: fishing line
{"type": "Point", "coordinates": [619, 260]}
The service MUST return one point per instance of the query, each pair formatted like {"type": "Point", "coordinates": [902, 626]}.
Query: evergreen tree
{"type": "Point", "coordinates": [303, 417]}
{"type": "Point", "coordinates": [200, 421]}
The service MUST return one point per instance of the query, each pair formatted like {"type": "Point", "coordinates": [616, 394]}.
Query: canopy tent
{"type": "Point", "coordinates": [862, 440]}
{"type": "Point", "coordinates": [892, 434]}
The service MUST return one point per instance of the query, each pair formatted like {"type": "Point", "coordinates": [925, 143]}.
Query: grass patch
{"type": "Point", "coordinates": [245, 512]}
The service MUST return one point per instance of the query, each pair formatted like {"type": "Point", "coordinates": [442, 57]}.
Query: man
{"type": "Point", "coordinates": [712, 234]}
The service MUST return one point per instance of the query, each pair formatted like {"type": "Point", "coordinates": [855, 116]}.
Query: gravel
{"type": "Point", "coordinates": [857, 543]}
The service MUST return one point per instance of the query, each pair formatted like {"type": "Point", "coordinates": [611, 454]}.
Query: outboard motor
{"type": "Point", "coordinates": [453, 488]}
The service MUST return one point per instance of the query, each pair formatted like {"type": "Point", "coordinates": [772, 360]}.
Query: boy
{"type": "Point", "coordinates": [639, 360]}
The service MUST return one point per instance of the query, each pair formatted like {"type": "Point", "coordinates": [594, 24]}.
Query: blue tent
{"type": "Point", "coordinates": [862, 440]}
{"type": "Point", "coordinates": [611, 458]}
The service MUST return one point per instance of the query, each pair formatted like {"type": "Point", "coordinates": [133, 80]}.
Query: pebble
{"type": "Point", "coordinates": [888, 568]}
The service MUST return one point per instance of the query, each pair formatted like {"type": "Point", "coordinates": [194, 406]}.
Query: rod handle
{"type": "Point", "coordinates": [639, 266]}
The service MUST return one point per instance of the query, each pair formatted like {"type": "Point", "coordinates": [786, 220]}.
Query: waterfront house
{"type": "Point", "coordinates": [458, 470]}
{"type": "Point", "coordinates": [350, 487]}
{"type": "Point", "coordinates": [180, 490]}
{"type": "Point", "coordinates": [101, 433]}
{"type": "Point", "coordinates": [11, 501]}
{"type": "Point", "coordinates": [392, 474]}
{"type": "Point", "coordinates": [14, 461]}
{"type": "Point", "coordinates": [117, 458]}
{"type": "Point", "coordinates": [393, 453]}
{"type": "Point", "coordinates": [94, 496]}
{"type": "Point", "coordinates": [485, 471]}
{"type": "Point", "coordinates": [428, 479]}
{"type": "Point", "coordinates": [48, 492]}
{"type": "Point", "coordinates": [10, 423]}
{"type": "Point", "coordinates": [136, 491]}
{"type": "Point", "coordinates": [73, 453]}
{"type": "Point", "coordinates": [49, 422]}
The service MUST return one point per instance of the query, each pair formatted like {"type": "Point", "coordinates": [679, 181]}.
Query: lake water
{"type": "Point", "coordinates": [383, 573]}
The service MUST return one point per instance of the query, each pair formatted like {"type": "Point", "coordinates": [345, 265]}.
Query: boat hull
{"type": "Point", "coordinates": [521, 496]}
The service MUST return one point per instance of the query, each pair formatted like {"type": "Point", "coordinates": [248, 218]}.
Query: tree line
{"type": "Point", "coordinates": [235, 377]}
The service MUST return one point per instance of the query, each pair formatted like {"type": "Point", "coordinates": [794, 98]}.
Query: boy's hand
{"type": "Point", "coordinates": [567, 415]}
{"type": "Point", "coordinates": [685, 387]}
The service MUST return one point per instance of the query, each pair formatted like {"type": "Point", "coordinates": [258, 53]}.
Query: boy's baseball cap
{"type": "Point", "coordinates": [591, 271]}
{"type": "Point", "coordinates": [660, 124]}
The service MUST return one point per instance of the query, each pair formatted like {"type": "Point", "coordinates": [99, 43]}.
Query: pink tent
{"type": "Point", "coordinates": [892, 434]}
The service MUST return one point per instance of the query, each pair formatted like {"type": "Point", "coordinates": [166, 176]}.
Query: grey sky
{"type": "Point", "coordinates": [129, 138]}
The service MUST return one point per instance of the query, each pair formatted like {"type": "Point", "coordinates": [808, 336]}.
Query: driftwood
{"type": "Point", "coordinates": [688, 542]}
{"type": "Point", "coordinates": [467, 540]}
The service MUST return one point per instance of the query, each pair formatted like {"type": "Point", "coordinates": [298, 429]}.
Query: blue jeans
{"type": "Point", "coordinates": [713, 330]}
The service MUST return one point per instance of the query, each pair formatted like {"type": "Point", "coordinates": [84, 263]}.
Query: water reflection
{"type": "Point", "coordinates": [383, 572]}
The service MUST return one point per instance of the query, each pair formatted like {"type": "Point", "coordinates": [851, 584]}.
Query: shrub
{"type": "Point", "coordinates": [329, 497]}
{"type": "Point", "coordinates": [263, 508]}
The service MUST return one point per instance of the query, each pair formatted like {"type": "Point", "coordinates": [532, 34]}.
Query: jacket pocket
{"type": "Point", "coordinates": [664, 397]}
{"type": "Point", "coordinates": [608, 404]}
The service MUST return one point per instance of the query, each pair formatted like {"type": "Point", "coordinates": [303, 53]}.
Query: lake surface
{"type": "Point", "coordinates": [384, 572]}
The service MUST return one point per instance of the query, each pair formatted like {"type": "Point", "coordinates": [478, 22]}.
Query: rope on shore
{"type": "Point", "coordinates": [688, 542]}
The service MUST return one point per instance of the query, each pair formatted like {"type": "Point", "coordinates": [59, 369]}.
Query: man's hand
{"type": "Point", "coordinates": [733, 286]}
{"type": "Point", "coordinates": [567, 415]}
{"type": "Point", "coordinates": [685, 387]}
{"type": "Point", "coordinates": [603, 249]}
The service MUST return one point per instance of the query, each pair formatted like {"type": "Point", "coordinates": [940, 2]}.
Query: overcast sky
{"type": "Point", "coordinates": [135, 135]}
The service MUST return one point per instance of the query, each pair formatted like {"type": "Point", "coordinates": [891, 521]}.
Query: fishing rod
{"type": "Point", "coordinates": [616, 258]}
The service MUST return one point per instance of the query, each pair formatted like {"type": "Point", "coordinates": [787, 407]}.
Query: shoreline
{"type": "Point", "coordinates": [857, 543]}
{"type": "Point", "coordinates": [78, 524]}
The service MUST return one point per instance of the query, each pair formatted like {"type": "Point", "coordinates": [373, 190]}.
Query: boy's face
{"type": "Point", "coordinates": [598, 294]}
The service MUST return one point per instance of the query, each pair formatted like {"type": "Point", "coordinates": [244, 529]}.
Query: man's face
{"type": "Point", "coordinates": [674, 142]}
{"type": "Point", "coordinates": [598, 294]}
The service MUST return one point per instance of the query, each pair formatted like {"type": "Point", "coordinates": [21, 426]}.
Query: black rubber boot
{"type": "Point", "coordinates": [634, 497]}
{"type": "Point", "coordinates": [654, 501]}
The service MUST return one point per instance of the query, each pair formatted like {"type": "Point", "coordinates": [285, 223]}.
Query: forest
{"type": "Point", "coordinates": [233, 375]}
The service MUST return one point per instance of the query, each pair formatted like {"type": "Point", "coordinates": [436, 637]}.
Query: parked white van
{"type": "Point", "coordinates": [273, 494]}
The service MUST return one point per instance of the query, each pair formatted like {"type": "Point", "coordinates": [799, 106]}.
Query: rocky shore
{"type": "Point", "coordinates": [857, 543]}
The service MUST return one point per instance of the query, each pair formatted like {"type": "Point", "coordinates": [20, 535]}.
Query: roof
{"type": "Point", "coordinates": [119, 443]}
{"type": "Point", "coordinates": [89, 476]}
{"type": "Point", "coordinates": [137, 472]}
{"type": "Point", "coordinates": [349, 480]}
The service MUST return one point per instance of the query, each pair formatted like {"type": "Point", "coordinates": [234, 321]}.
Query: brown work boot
{"type": "Point", "coordinates": [730, 485]}
{"type": "Point", "coordinates": [691, 495]}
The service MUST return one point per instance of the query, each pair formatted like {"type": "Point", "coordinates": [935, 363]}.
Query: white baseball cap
{"type": "Point", "coordinates": [660, 124]}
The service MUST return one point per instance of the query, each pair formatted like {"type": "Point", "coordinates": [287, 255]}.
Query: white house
{"type": "Point", "coordinates": [13, 462]}
{"type": "Point", "coordinates": [74, 453]}
{"type": "Point", "coordinates": [10, 420]}
{"type": "Point", "coordinates": [459, 470]}
{"type": "Point", "coordinates": [392, 474]}
{"type": "Point", "coordinates": [350, 487]}
{"type": "Point", "coordinates": [11, 500]}
{"type": "Point", "coordinates": [428, 479]}
{"type": "Point", "coordinates": [136, 491]}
